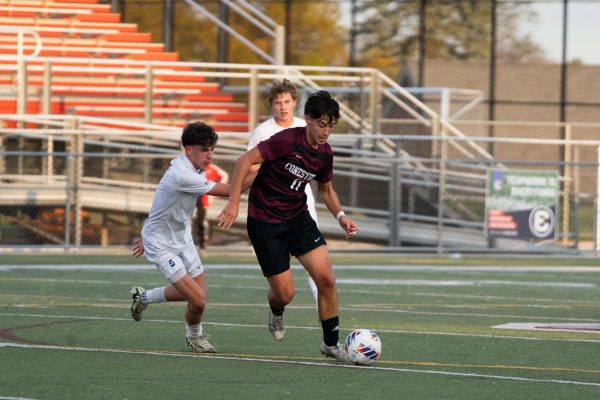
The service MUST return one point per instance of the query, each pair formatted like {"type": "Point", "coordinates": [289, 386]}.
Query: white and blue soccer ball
{"type": "Point", "coordinates": [362, 347]}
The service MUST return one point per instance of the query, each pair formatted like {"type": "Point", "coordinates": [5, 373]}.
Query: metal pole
{"type": "Point", "coordinates": [223, 37]}
{"type": "Point", "coordinates": [280, 44]}
{"type": "Point", "coordinates": [69, 200]}
{"type": "Point", "coordinates": [567, 186]}
{"type": "Point", "coordinates": [253, 100]}
{"type": "Point", "coordinates": [492, 77]}
{"type": "Point", "coordinates": [148, 98]}
{"type": "Point", "coordinates": [422, 41]}
{"type": "Point", "coordinates": [393, 203]}
{"type": "Point", "coordinates": [374, 100]}
{"type": "Point", "coordinates": [597, 205]}
{"type": "Point", "coordinates": [353, 34]}
{"type": "Point", "coordinates": [46, 109]}
{"type": "Point", "coordinates": [21, 97]}
{"type": "Point", "coordinates": [441, 190]}
{"type": "Point", "coordinates": [563, 80]}
{"type": "Point", "coordinates": [288, 29]}
{"type": "Point", "coordinates": [168, 24]}
{"type": "Point", "coordinates": [78, 175]}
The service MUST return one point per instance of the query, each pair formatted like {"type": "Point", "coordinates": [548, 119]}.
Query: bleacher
{"type": "Point", "coordinates": [86, 29]}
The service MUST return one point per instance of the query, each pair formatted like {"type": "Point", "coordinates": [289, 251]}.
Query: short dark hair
{"type": "Point", "coordinates": [281, 87]}
{"type": "Point", "coordinates": [199, 133]}
{"type": "Point", "coordinates": [321, 104]}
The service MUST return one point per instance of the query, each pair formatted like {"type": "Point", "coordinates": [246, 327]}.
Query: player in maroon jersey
{"type": "Point", "coordinates": [278, 220]}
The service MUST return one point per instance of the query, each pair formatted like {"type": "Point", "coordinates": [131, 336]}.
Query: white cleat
{"type": "Point", "coordinates": [276, 326]}
{"type": "Point", "coordinates": [137, 308]}
{"type": "Point", "coordinates": [336, 352]}
{"type": "Point", "coordinates": [200, 344]}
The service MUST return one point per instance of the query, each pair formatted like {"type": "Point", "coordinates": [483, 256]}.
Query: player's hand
{"type": "Point", "coordinates": [227, 217]}
{"type": "Point", "coordinates": [349, 226]}
{"type": "Point", "coordinates": [138, 248]}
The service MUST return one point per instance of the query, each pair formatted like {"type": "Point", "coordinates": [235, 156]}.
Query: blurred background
{"type": "Point", "coordinates": [435, 94]}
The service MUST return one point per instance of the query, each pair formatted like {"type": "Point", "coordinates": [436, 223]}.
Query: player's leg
{"type": "Point", "coordinates": [194, 290]}
{"type": "Point", "coordinates": [192, 286]}
{"type": "Point", "coordinates": [317, 264]}
{"type": "Point", "coordinates": [141, 297]}
{"type": "Point", "coordinates": [310, 249]}
{"type": "Point", "coordinates": [280, 294]}
{"type": "Point", "coordinates": [271, 249]}
{"type": "Point", "coordinates": [312, 210]}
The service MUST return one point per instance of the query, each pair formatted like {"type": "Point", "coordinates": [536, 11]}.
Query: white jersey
{"type": "Point", "coordinates": [168, 225]}
{"type": "Point", "coordinates": [267, 129]}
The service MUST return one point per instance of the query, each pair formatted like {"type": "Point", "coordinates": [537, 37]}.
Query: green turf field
{"type": "Point", "coordinates": [66, 333]}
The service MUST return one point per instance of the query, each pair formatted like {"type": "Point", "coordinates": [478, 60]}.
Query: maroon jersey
{"type": "Point", "coordinates": [277, 193]}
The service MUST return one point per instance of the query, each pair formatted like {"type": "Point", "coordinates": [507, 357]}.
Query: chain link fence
{"type": "Point", "coordinates": [93, 190]}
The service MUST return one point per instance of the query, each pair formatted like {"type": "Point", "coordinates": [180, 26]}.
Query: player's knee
{"type": "Point", "coordinates": [197, 304]}
{"type": "Point", "coordinates": [285, 295]}
{"type": "Point", "coordinates": [326, 283]}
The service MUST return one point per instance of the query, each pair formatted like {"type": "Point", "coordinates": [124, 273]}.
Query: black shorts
{"type": "Point", "coordinates": [273, 243]}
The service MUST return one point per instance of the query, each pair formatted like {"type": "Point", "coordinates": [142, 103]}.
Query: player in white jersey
{"type": "Point", "coordinates": [167, 238]}
{"type": "Point", "coordinates": [282, 100]}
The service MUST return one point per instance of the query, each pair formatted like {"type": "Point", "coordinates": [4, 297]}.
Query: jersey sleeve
{"type": "Point", "coordinates": [190, 182]}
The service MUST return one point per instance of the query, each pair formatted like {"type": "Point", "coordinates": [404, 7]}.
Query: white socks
{"type": "Point", "coordinates": [156, 295]}
{"type": "Point", "coordinates": [193, 331]}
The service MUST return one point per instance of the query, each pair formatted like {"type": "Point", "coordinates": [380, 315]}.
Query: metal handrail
{"type": "Point", "coordinates": [278, 35]}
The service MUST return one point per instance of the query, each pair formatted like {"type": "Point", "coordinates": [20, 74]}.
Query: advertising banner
{"type": "Point", "coordinates": [521, 204]}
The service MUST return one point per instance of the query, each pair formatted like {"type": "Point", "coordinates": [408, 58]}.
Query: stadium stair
{"type": "Point", "coordinates": [85, 28]}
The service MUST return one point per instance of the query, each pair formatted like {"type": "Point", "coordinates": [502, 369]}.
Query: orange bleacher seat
{"type": "Point", "coordinates": [97, 32]}
{"type": "Point", "coordinates": [156, 56]}
{"type": "Point", "coordinates": [128, 37]}
{"type": "Point", "coordinates": [99, 17]}
{"type": "Point", "coordinates": [80, 1]}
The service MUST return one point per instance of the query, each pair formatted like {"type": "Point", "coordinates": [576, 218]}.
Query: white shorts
{"type": "Point", "coordinates": [172, 265]}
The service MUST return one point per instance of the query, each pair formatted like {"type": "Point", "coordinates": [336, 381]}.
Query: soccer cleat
{"type": "Point", "coordinates": [276, 326]}
{"type": "Point", "coordinates": [200, 344]}
{"type": "Point", "coordinates": [336, 352]}
{"type": "Point", "coordinates": [137, 308]}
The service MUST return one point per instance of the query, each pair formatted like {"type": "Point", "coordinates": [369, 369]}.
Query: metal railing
{"type": "Point", "coordinates": [259, 20]}
{"type": "Point", "coordinates": [110, 174]}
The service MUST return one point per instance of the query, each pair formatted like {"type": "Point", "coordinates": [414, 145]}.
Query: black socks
{"type": "Point", "coordinates": [331, 331]}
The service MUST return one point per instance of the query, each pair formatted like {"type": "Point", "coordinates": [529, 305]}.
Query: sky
{"type": "Point", "coordinates": [583, 35]}
{"type": "Point", "coordinates": [584, 30]}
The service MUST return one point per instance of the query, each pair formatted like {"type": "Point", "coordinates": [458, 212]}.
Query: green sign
{"type": "Point", "coordinates": [521, 204]}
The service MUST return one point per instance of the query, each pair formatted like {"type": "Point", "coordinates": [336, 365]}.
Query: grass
{"type": "Point", "coordinates": [67, 333]}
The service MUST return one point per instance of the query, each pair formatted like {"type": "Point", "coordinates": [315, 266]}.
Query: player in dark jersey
{"type": "Point", "coordinates": [279, 223]}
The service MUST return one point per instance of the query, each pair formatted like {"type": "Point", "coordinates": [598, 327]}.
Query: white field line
{"type": "Point", "coordinates": [374, 282]}
{"type": "Point", "coordinates": [532, 301]}
{"type": "Point", "coordinates": [303, 363]}
{"type": "Point", "coordinates": [360, 308]}
{"type": "Point", "coordinates": [262, 326]}
{"type": "Point", "coordinates": [341, 267]}
{"type": "Point", "coordinates": [456, 282]}
{"type": "Point", "coordinates": [552, 327]}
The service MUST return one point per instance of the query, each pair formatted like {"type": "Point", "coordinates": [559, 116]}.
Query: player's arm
{"type": "Point", "coordinates": [240, 177]}
{"type": "Point", "coordinates": [331, 200]}
{"type": "Point", "coordinates": [222, 189]}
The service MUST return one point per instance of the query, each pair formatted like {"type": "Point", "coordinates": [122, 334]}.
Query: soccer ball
{"type": "Point", "coordinates": [362, 347]}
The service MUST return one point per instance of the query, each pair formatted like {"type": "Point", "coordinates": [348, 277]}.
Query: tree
{"type": "Point", "coordinates": [316, 35]}
{"type": "Point", "coordinates": [460, 29]}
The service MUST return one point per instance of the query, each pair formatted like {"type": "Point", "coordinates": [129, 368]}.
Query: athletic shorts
{"type": "Point", "coordinates": [174, 265]}
{"type": "Point", "coordinates": [273, 243]}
